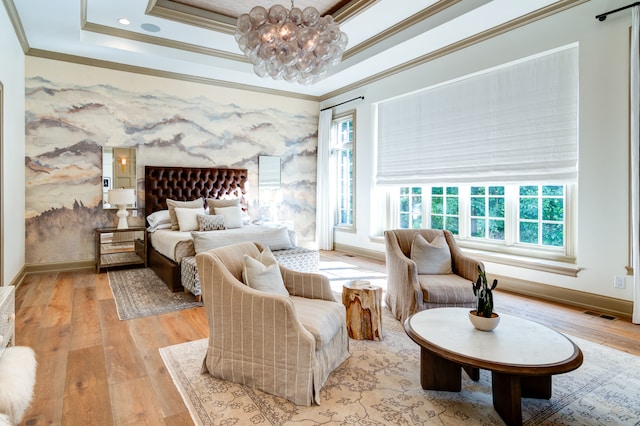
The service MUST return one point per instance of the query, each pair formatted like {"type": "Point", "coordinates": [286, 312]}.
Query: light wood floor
{"type": "Point", "coordinates": [97, 370]}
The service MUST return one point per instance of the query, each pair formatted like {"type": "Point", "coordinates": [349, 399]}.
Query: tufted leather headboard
{"type": "Point", "coordinates": [188, 183]}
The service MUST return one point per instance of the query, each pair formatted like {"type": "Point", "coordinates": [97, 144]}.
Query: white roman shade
{"type": "Point", "coordinates": [516, 123]}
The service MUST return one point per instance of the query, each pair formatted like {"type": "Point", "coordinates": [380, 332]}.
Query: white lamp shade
{"type": "Point", "coordinates": [118, 197]}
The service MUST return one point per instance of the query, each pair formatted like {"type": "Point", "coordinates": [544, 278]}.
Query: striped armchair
{"type": "Point", "coordinates": [408, 292]}
{"type": "Point", "coordinates": [285, 346]}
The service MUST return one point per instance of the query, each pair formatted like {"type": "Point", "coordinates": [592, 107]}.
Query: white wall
{"type": "Point", "coordinates": [603, 209]}
{"type": "Point", "coordinates": [12, 78]}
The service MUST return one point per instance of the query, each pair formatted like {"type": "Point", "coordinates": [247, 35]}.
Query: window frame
{"type": "Point", "coordinates": [510, 247]}
{"type": "Point", "coordinates": [336, 149]}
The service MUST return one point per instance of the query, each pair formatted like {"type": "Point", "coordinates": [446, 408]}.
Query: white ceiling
{"type": "Point", "coordinates": [90, 29]}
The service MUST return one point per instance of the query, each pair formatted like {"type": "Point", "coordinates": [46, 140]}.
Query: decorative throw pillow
{"type": "Point", "coordinates": [232, 216]}
{"type": "Point", "coordinates": [263, 273]}
{"type": "Point", "coordinates": [213, 222]}
{"type": "Point", "coordinates": [159, 217]}
{"type": "Point", "coordinates": [214, 203]}
{"type": "Point", "coordinates": [172, 204]}
{"type": "Point", "coordinates": [431, 258]}
{"type": "Point", "coordinates": [188, 218]}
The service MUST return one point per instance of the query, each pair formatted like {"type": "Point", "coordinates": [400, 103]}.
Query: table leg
{"type": "Point", "coordinates": [507, 397]}
{"type": "Point", "coordinates": [473, 373]}
{"type": "Point", "coordinates": [437, 373]}
{"type": "Point", "coordinates": [538, 387]}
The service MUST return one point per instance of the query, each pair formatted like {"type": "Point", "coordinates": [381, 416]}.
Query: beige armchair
{"type": "Point", "coordinates": [283, 345]}
{"type": "Point", "coordinates": [409, 292]}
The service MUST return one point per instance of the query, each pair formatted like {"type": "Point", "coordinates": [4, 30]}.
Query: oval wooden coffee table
{"type": "Point", "coordinates": [522, 356]}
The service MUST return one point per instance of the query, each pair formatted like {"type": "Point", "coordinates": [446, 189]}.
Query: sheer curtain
{"type": "Point", "coordinates": [324, 210]}
{"type": "Point", "coordinates": [635, 158]}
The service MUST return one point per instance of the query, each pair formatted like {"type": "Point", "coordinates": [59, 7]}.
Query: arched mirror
{"type": "Point", "coordinates": [118, 171]}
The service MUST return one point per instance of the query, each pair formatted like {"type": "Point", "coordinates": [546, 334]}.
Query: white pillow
{"type": "Point", "coordinates": [188, 218]}
{"type": "Point", "coordinates": [431, 258]}
{"type": "Point", "coordinates": [172, 204]}
{"type": "Point", "coordinates": [232, 216]}
{"type": "Point", "coordinates": [156, 218]}
{"type": "Point", "coordinates": [263, 273]}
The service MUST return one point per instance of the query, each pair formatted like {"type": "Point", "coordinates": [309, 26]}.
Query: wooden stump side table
{"type": "Point", "coordinates": [364, 312]}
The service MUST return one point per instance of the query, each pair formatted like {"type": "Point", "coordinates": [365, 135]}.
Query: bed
{"type": "Point", "coordinates": [184, 184]}
{"type": "Point", "coordinates": [171, 253]}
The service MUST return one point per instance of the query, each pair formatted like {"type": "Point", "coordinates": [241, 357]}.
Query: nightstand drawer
{"type": "Point", "coordinates": [7, 316]}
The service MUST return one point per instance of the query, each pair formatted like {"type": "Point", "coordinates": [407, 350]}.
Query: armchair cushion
{"type": "Point", "coordinates": [263, 273]}
{"type": "Point", "coordinates": [431, 257]}
{"type": "Point", "coordinates": [321, 318]}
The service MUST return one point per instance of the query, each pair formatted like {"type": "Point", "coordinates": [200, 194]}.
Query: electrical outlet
{"type": "Point", "coordinates": [134, 213]}
{"type": "Point", "coordinates": [620, 281]}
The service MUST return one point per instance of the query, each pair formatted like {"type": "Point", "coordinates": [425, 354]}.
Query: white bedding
{"type": "Point", "coordinates": [172, 244]}
{"type": "Point", "coordinates": [175, 244]}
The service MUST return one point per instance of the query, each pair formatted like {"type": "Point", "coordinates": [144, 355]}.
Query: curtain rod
{"type": "Point", "coordinates": [603, 16]}
{"type": "Point", "coordinates": [341, 103]}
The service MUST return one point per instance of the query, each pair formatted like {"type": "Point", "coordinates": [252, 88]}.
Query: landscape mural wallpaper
{"type": "Point", "coordinates": [69, 118]}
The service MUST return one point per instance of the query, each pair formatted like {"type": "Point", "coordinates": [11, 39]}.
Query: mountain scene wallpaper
{"type": "Point", "coordinates": [68, 124]}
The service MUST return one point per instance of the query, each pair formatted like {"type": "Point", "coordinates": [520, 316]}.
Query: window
{"type": "Point", "coordinates": [510, 218]}
{"type": "Point", "coordinates": [342, 153]}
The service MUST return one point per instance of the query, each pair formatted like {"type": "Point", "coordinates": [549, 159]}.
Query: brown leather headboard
{"type": "Point", "coordinates": [188, 183]}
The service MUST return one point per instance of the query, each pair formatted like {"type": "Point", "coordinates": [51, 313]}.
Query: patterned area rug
{"type": "Point", "coordinates": [380, 384]}
{"type": "Point", "coordinates": [140, 292]}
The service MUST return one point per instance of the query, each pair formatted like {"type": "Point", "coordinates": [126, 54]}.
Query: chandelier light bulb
{"type": "Point", "coordinates": [294, 45]}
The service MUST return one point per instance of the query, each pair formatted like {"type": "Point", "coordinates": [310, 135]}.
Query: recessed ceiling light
{"type": "Point", "coordinates": [150, 27]}
{"type": "Point", "coordinates": [124, 21]}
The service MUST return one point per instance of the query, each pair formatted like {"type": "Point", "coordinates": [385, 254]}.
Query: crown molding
{"type": "Point", "coordinates": [81, 60]}
{"type": "Point", "coordinates": [10, 7]}
{"type": "Point", "coordinates": [185, 14]}
{"type": "Point", "coordinates": [469, 41]}
{"type": "Point", "coordinates": [401, 26]}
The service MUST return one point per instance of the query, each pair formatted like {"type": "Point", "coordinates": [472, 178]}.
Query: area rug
{"type": "Point", "coordinates": [139, 292]}
{"type": "Point", "coordinates": [380, 384]}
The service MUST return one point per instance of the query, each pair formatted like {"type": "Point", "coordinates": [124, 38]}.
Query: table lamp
{"type": "Point", "coordinates": [121, 198]}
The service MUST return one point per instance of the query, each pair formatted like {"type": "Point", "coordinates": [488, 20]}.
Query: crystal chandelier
{"type": "Point", "coordinates": [294, 45]}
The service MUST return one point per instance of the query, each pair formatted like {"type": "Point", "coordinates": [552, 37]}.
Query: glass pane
{"type": "Point", "coordinates": [404, 190]}
{"type": "Point", "coordinates": [404, 204]}
{"type": "Point", "coordinates": [557, 190]}
{"type": "Point", "coordinates": [529, 232]}
{"type": "Point", "coordinates": [552, 209]}
{"type": "Point", "coordinates": [477, 190]}
{"type": "Point", "coordinates": [417, 205]}
{"type": "Point", "coordinates": [528, 208]}
{"type": "Point", "coordinates": [452, 225]}
{"type": "Point", "coordinates": [416, 190]}
{"type": "Point", "coordinates": [477, 206]}
{"type": "Point", "coordinates": [437, 205]}
{"type": "Point", "coordinates": [416, 221]}
{"type": "Point", "coordinates": [496, 229]}
{"type": "Point", "coordinates": [452, 190]}
{"type": "Point", "coordinates": [529, 190]}
{"type": "Point", "coordinates": [437, 222]}
{"type": "Point", "coordinates": [452, 205]}
{"type": "Point", "coordinates": [404, 221]}
{"type": "Point", "coordinates": [496, 190]}
{"type": "Point", "coordinates": [552, 234]}
{"type": "Point", "coordinates": [496, 207]}
{"type": "Point", "coordinates": [478, 228]}
{"type": "Point", "coordinates": [437, 190]}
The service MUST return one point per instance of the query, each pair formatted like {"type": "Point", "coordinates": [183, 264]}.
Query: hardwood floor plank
{"type": "Point", "coordinates": [121, 354]}
{"type": "Point", "coordinates": [85, 324]}
{"type": "Point", "coordinates": [87, 399]}
{"type": "Point", "coordinates": [59, 307]}
{"type": "Point", "coordinates": [134, 403]}
{"type": "Point", "coordinates": [103, 289]}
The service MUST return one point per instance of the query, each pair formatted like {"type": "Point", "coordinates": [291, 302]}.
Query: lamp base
{"type": "Point", "coordinates": [122, 214]}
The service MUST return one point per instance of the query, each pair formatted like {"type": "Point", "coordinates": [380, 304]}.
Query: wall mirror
{"type": "Point", "coordinates": [269, 172]}
{"type": "Point", "coordinates": [118, 171]}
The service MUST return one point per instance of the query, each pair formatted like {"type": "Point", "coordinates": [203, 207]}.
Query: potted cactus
{"type": "Point", "coordinates": [483, 318]}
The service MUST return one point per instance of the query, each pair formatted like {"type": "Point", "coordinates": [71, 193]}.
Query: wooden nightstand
{"type": "Point", "coordinates": [120, 247]}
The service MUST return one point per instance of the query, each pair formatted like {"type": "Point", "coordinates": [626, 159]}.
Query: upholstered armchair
{"type": "Point", "coordinates": [286, 345]}
{"type": "Point", "coordinates": [409, 289]}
